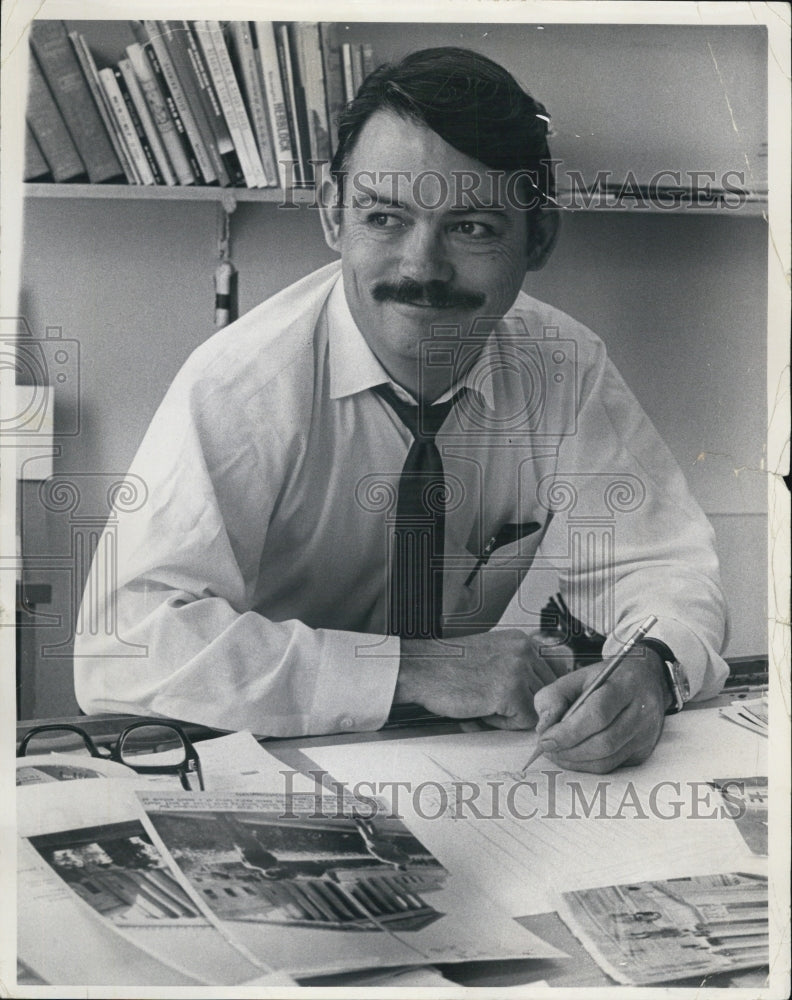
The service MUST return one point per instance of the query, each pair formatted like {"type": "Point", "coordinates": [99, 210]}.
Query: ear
{"type": "Point", "coordinates": [543, 230]}
{"type": "Point", "coordinates": [331, 212]}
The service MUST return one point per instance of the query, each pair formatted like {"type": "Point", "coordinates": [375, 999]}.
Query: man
{"type": "Point", "coordinates": [347, 487]}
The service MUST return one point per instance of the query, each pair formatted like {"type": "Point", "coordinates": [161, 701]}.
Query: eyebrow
{"type": "Point", "coordinates": [384, 201]}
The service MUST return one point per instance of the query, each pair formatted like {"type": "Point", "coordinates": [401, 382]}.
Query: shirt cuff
{"type": "Point", "coordinates": [704, 668]}
{"type": "Point", "coordinates": [356, 682]}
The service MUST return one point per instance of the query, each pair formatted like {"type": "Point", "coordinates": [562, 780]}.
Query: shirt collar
{"type": "Point", "coordinates": [354, 366]}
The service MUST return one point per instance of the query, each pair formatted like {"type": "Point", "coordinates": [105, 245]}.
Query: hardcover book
{"type": "Point", "coordinates": [62, 72]}
{"type": "Point", "coordinates": [49, 129]}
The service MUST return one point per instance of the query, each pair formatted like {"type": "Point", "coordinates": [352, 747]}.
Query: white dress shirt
{"type": "Point", "coordinates": [250, 588]}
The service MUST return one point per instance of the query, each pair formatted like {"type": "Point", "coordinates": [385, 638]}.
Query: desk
{"type": "Point", "coordinates": [579, 971]}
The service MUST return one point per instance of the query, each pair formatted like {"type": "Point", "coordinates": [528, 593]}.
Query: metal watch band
{"type": "Point", "coordinates": [674, 672]}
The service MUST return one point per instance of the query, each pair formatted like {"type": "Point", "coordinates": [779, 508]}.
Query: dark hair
{"type": "Point", "coordinates": [471, 102]}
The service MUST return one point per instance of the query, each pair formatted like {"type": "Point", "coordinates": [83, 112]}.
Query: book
{"type": "Point", "coordinates": [210, 37]}
{"type": "Point", "coordinates": [137, 124]}
{"type": "Point", "coordinates": [191, 71]}
{"type": "Point", "coordinates": [120, 111]}
{"type": "Point", "coordinates": [368, 59]}
{"type": "Point", "coordinates": [151, 133]}
{"type": "Point", "coordinates": [36, 167]}
{"type": "Point", "coordinates": [50, 130]}
{"type": "Point", "coordinates": [267, 51]}
{"type": "Point", "coordinates": [357, 67]}
{"type": "Point", "coordinates": [156, 38]}
{"type": "Point", "coordinates": [333, 67]}
{"type": "Point", "coordinates": [215, 114]}
{"type": "Point", "coordinates": [173, 111]}
{"type": "Point", "coordinates": [245, 60]}
{"type": "Point", "coordinates": [160, 113]}
{"type": "Point", "coordinates": [311, 71]}
{"type": "Point", "coordinates": [349, 75]}
{"type": "Point", "coordinates": [295, 102]}
{"type": "Point", "coordinates": [91, 73]}
{"type": "Point", "coordinates": [62, 72]}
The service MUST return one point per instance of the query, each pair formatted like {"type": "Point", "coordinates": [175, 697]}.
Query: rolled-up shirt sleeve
{"type": "Point", "coordinates": [180, 636]}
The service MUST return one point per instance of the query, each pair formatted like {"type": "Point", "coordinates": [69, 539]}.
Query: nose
{"type": "Point", "coordinates": [424, 255]}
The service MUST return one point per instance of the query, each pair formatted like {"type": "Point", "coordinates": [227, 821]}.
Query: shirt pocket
{"type": "Point", "coordinates": [507, 543]}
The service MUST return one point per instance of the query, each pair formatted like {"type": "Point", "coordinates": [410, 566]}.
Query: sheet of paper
{"type": "Point", "coordinates": [650, 932]}
{"type": "Point", "coordinates": [317, 887]}
{"type": "Point", "coordinates": [92, 842]}
{"type": "Point", "coordinates": [50, 767]}
{"type": "Point", "coordinates": [238, 762]}
{"type": "Point", "coordinates": [525, 840]}
{"type": "Point", "coordinates": [65, 942]}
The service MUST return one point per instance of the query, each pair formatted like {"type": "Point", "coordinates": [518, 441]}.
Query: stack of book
{"type": "Point", "coordinates": [244, 103]}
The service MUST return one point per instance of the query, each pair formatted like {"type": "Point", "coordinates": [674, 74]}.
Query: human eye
{"type": "Point", "coordinates": [383, 220]}
{"type": "Point", "coordinates": [473, 230]}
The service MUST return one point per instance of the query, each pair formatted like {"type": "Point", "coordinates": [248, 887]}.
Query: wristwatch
{"type": "Point", "coordinates": [674, 672]}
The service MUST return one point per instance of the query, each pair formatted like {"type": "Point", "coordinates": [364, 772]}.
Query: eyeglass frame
{"type": "Point", "coordinates": [191, 764]}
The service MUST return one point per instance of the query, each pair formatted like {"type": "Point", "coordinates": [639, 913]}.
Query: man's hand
{"type": "Point", "coordinates": [619, 724]}
{"type": "Point", "coordinates": [493, 675]}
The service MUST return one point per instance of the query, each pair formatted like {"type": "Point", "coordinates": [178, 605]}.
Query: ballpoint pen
{"type": "Point", "coordinates": [600, 679]}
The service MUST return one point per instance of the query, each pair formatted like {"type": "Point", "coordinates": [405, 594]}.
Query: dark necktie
{"type": "Point", "coordinates": [416, 599]}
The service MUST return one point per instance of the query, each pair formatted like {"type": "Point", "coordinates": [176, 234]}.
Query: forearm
{"type": "Point", "coordinates": [201, 661]}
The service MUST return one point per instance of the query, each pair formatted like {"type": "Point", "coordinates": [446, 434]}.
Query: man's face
{"type": "Point", "coordinates": [417, 251]}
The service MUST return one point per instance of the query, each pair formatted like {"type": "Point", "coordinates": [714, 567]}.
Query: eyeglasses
{"type": "Point", "coordinates": [165, 740]}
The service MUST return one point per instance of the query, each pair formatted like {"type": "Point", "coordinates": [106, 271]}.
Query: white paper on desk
{"type": "Point", "coordinates": [65, 942]}
{"type": "Point", "coordinates": [115, 889]}
{"type": "Point", "coordinates": [317, 889]}
{"type": "Point", "coordinates": [49, 767]}
{"type": "Point", "coordinates": [524, 859]}
{"type": "Point", "coordinates": [237, 762]}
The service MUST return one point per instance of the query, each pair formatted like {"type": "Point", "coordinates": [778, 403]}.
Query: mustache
{"type": "Point", "coordinates": [437, 294]}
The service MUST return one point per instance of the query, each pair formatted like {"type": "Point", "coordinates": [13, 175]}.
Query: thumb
{"type": "Point", "coordinates": [551, 702]}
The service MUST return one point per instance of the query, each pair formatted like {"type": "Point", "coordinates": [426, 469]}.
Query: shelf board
{"type": "Point", "coordinates": [141, 192]}
{"type": "Point", "coordinates": [754, 204]}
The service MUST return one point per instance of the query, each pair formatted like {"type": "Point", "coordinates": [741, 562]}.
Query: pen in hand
{"type": "Point", "coordinates": [599, 680]}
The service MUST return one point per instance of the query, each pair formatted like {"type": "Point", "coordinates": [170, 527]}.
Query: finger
{"type": "Point", "coordinates": [600, 745]}
{"type": "Point", "coordinates": [596, 714]}
{"type": "Point", "coordinates": [523, 720]}
{"type": "Point", "coordinates": [553, 701]}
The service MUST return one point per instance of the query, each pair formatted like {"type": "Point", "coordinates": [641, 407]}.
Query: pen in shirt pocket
{"type": "Point", "coordinates": [504, 536]}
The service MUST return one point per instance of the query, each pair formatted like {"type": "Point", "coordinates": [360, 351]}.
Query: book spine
{"type": "Point", "coordinates": [150, 129]}
{"type": "Point", "coordinates": [86, 61]}
{"type": "Point", "coordinates": [140, 132]}
{"type": "Point", "coordinates": [228, 91]}
{"type": "Point", "coordinates": [213, 107]}
{"type": "Point", "coordinates": [59, 65]}
{"type": "Point", "coordinates": [50, 131]}
{"type": "Point", "coordinates": [157, 38]}
{"type": "Point", "coordinates": [36, 167]}
{"type": "Point", "coordinates": [334, 79]}
{"type": "Point", "coordinates": [276, 101]}
{"type": "Point", "coordinates": [173, 111]}
{"type": "Point", "coordinates": [160, 114]}
{"type": "Point", "coordinates": [117, 103]}
{"type": "Point", "coordinates": [253, 93]}
{"type": "Point", "coordinates": [284, 61]}
{"type": "Point", "coordinates": [295, 101]}
{"type": "Point", "coordinates": [349, 76]}
{"type": "Point", "coordinates": [357, 67]}
{"type": "Point", "coordinates": [368, 59]}
{"type": "Point", "coordinates": [312, 76]}
{"type": "Point", "coordinates": [178, 41]}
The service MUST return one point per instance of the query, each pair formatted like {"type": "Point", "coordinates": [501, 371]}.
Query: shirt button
{"type": "Point", "coordinates": [347, 723]}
